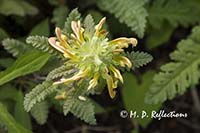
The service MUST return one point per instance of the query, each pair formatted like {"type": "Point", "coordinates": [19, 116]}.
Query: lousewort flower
{"type": "Point", "coordinates": [93, 55]}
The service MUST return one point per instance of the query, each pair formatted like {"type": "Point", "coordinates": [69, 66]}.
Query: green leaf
{"type": "Point", "coordinates": [84, 110]}
{"type": "Point", "coordinates": [10, 123]}
{"type": "Point", "coordinates": [97, 107]}
{"type": "Point", "coordinates": [97, 16]}
{"type": "Point", "coordinates": [67, 105]}
{"type": "Point", "coordinates": [40, 112]}
{"type": "Point", "coordinates": [60, 15]}
{"type": "Point", "coordinates": [184, 14]}
{"type": "Point", "coordinates": [52, 63]}
{"type": "Point", "coordinates": [41, 43]}
{"type": "Point", "coordinates": [7, 91]}
{"type": "Point", "coordinates": [134, 95]}
{"type": "Point", "coordinates": [130, 12]}
{"type": "Point", "coordinates": [179, 74]}
{"type": "Point", "coordinates": [89, 25]}
{"type": "Point", "coordinates": [26, 64]}
{"type": "Point", "coordinates": [139, 59]}
{"type": "Point", "coordinates": [81, 108]}
{"type": "Point", "coordinates": [6, 62]}
{"type": "Point", "coordinates": [15, 47]}
{"type": "Point", "coordinates": [17, 7]}
{"type": "Point", "coordinates": [19, 113]}
{"type": "Point", "coordinates": [157, 37]}
{"type": "Point", "coordinates": [41, 29]}
{"type": "Point", "coordinates": [28, 9]}
{"type": "Point", "coordinates": [73, 16]}
{"type": "Point", "coordinates": [38, 94]}
{"type": "Point", "coordinates": [59, 72]}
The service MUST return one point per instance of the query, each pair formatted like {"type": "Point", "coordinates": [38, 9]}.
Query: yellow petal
{"type": "Point", "coordinates": [62, 38]}
{"type": "Point", "coordinates": [115, 83]}
{"type": "Point", "coordinates": [118, 50]}
{"type": "Point", "coordinates": [75, 28]}
{"type": "Point", "coordinates": [58, 33]}
{"type": "Point", "coordinates": [75, 41]}
{"type": "Point", "coordinates": [78, 76]}
{"type": "Point", "coordinates": [103, 33]}
{"type": "Point", "coordinates": [111, 86]}
{"type": "Point", "coordinates": [116, 73]}
{"type": "Point", "coordinates": [94, 81]}
{"type": "Point", "coordinates": [99, 26]}
{"type": "Point", "coordinates": [63, 80]}
{"type": "Point", "coordinates": [122, 60]}
{"type": "Point", "coordinates": [61, 96]}
{"type": "Point", "coordinates": [123, 40]}
{"type": "Point", "coordinates": [78, 30]}
{"type": "Point", "coordinates": [53, 43]}
{"type": "Point", "coordinates": [69, 54]}
{"type": "Point", "coordinates": [126, 61]}
{"type": "Point", "coordinates": [57, 45]}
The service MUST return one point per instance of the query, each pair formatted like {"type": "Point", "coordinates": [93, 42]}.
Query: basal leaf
{"type": "Point", "coordinates": [19, 113]}
{"type": "Point", "coordinates": [41, 29]}
{"type": "Point", "coordinates": [17, 7]}
{"type": "Point", "coordinates": [9, 121]}
{"type": "Point", "coordinates": [26, 64]}
{"type": "Point", "coordinates": [134, 96]}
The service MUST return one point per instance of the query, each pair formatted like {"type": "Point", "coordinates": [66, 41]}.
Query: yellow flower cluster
{"type": "Point", "coordinates": [93, 55]}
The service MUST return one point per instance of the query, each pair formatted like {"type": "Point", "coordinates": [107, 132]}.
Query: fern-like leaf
{"type": "Point", "coordinates": [15, 47]}
{"type": "Point", "coordinates": [81, 107]}
{"type": "Point", "coordinates": [40, 112]}
{"type": "Point", "coordinates": [89, 25]}
{"type": "Point", "coordinates": [38, 94]}
{"type": "Point", "coordinates": [176, 12]}
{"type": "Point", "coordinates": [139, 59]}
{"type": "Point", "coordinates": [130, 12]}
{"type": "Point", "coordinates": [73, 16]}
{"type": "Point", "coordinates": [59, 72]}
{"type": "Point", "coordinates": [41, 43]}
{"type": "Point", "coordinates": [84, 110]}
{"type": "Point", "coordinates": [175, 77]}
{"type": "Point", "coordinates": [67, 105]}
